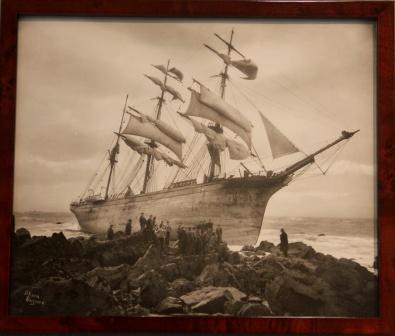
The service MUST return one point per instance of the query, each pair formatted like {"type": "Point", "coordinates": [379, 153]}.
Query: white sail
{"type": "Point", "coordinates": [210, 99]}
{"type": "Point", "coordinates": [237, 151]}
{"type": "Point", "coordinates": [280, 145]}
{"type": "Point", "coordinates": [161, 68]}
{"type": "Point", "coordinates": [177, 73]}
{"type": "Point", "coordinates": [173, 92]}
{"type": "Point", "coordinates": [156, 81]}
{"type": "Point", "coordinates": [197, 109]}
{"type": "Point", "coordinates": [142, 126]}
{"type": "Point", "coordinates": [142, 148]}
{"type": "Point", "coordinates": [170, 131]}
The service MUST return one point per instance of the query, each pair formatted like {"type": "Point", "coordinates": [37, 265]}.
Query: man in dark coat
{"type": "Point", "coordinates": [128, 227]}
{"type": "Point", "coordinates": [143, 222]}
{"type": "Point", "coordinates": [284, 242]}
{"type": "Point", "coordinates": [110, 233]}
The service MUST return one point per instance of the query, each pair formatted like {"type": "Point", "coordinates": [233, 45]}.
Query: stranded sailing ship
{"type": "Point", "coordinates": [195, 184]}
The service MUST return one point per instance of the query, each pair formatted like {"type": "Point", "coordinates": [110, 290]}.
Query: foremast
{"type": "Point", "coordinates": [152, 144]}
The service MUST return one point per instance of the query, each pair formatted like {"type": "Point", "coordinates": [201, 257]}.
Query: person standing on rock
{"type": "Point", "coordinates": [218, 232]}
{"type": "Point", "coordinates": [284, 242]}
{"type": "Point", "coordinates": [110, 233]}
{"type": "Point", "coordinates": [143, 221]}
{"type": "Point", "coordinates": [128, 227]}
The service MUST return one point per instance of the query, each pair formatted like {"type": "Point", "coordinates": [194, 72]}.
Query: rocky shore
{"type": "Point", "coordinates": [129, 276]}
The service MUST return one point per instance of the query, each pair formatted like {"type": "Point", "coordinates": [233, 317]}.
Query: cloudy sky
{"type": "Point", "coordinates": [315, 79]}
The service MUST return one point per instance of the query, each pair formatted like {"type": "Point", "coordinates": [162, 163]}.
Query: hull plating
{"type": "Point", "coordinates": [238, 205]}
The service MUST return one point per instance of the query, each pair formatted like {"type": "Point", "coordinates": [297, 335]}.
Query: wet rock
{"type": "Point", "coordinates": [171, 305]}
{"type": "Point", "coordinates": [180, 287]}
{"type": "Point", "coordinates": [153, 289]}
{"type": "Point", "coordinates": [190, 266]}
{"type": "Point", "coordinates": [249, 248]}
{"type": "Point", "coordinates": [21, 235]}
{"type": "Point", "coordinates": [265, 246]}
{"type": "Point", "coordinates": [252, 309]}
{"type": "Point", "coordinates": [296, 294]}
{"type": "Point", "coordinates": [301, 250]}
{"type": "Point", "coordinates": [169, 271]}
{"type": "Point", "coordinates": [106, 278]}
{"type": "Point", "coordinates": [218, 274]}
{"type": "Point", "coordinates": [211, 299]}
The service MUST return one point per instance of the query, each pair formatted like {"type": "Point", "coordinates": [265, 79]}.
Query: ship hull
{"type": "Point", "coordinates": [237, 204]}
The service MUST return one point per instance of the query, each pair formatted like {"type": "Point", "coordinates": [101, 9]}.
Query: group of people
{"type": "Point", "coordinates": [192, 240]}
{"type": "Point", "coordinates": [159, 233]}
{"type": "Point", "coordinates": [199, 239]}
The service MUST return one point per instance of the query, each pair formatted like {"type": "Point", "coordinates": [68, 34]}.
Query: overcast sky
{"type": "Point", "coordinates": [315, 79]}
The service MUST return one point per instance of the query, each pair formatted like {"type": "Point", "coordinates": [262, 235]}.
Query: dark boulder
{"type": "Point", "coordinates": [20, 236]}
{"type": "Point", "coordinates": [106, 278]}
{"type": "Point", "coordinates": [180, 287]}
{"type": "Point", "coordinates": [169, 271]}
{"type": "Point", "coordinates": [211, 300]}
{"type": "Point", "coordinates": [218, 274]}
{"type": "Point", "coordinates": [171, 305]}
{"type": "Point", "coordinates": [265, 246]}
{"type": "Point", "coordinates": [153, 289]}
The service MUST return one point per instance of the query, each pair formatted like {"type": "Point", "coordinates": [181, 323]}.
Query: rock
{"type": "Point", "coordinates": [21, 235]}
{"type": "Point", "coordinates": [234, 258]}
{"type": "Point", "coordinates": [171, 305]}
{"type": "Point", "coordinates": [169, 271]}
{"type": "Point", "coordinates": [180, 287]}
{"type": "Point", "coordinates": [218, 274]}
{"type": "Point", "coordinates": [265, 246]}
{"type": "Point", "coordinates": [153, 289]}
{"type": "Point", "coordinates": [137, 310]}
{"type": "Point", "coordinates": [106, 278]}
{"type": "Point", "coordinates": [301, 250]}
{"type": "Point", "coordinates": [249, 248]}
{"type": "Point", "coordinates": [211, 299]}
{"type": "Point", "coordinates": [253, 310]}
{"type": "Point", "coordinates": [57, 296]}
{"type": "Point", "coordinates": [190, 266]}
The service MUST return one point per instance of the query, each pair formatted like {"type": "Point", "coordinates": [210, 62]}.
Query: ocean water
{"type": "Point", "coordinates": [351, 238]}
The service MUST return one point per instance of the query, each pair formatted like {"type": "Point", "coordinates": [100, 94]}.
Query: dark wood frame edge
{"type": "Point", "coordinates": [380, 11]}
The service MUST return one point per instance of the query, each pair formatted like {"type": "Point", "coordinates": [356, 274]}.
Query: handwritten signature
{"type": "Point", "coordinates": [33, 299]}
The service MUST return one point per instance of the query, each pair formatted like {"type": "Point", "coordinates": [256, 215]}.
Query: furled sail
{"type": "Point", "coordinates": [156, 81]}
{"type": "Point", "coordinates": [197, 108]}
{"type": "Point", "coordinates": [279, 143]}
{"type": "Point", "coordinates": [177, 73]}
{"type": "Point", "coordinates": [247, 67]}
{"type": "Point", "coordinates": [161, 68]}
{"type": "Point", "coordinates": [142, 148]}
{"type": "Point", "coordinates": [173, 92]}
{"type": "Point", "coordinates": [142, 126]}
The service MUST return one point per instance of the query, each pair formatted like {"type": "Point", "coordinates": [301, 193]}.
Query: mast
{"type": "Point", "coordinates": [152, 143]}
{"type": "Point", "coordinates": [310, 158]}
{"type": "Point", "coordinates": [224, 77]}
{"type": "Point", "coordinates": [115, 151]}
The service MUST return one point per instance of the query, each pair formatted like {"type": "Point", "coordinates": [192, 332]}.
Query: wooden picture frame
{"type": "Point", "coordinates": [381, 12]}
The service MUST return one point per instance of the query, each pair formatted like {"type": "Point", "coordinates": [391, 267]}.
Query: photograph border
{"type": "Point", "coordinates": [380, 12]}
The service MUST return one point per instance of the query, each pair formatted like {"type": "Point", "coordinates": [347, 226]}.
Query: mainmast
{"type": "Point", "coordinates": [224, 77]}
{"type": "Point", "coordinates": [152, 142]}
{"type": "Point", "coordinates": [114, 151]}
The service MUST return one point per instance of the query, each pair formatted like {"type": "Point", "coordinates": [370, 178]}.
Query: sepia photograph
{"type": "Point", "coordinates": [172, 167]}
